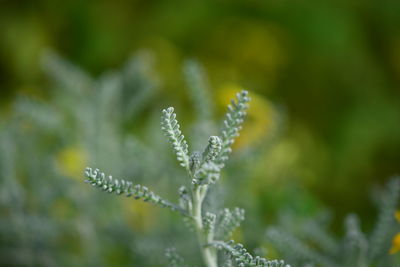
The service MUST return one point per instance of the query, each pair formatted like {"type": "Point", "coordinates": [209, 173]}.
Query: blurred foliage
{"type": "Point", "coordinates": [331, 67]}
{"type": "Point", "coordinates": [309, 242]}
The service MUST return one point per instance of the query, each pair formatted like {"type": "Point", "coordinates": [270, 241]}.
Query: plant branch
{"type": "Point", "coordinates": [203, 236]}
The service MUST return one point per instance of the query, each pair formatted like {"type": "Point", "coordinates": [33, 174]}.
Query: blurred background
{"type": "Point", "coordinates": [323, 130]}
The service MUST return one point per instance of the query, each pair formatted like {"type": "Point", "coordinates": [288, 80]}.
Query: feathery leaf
{"type": "Point", "coordinates": [228, 221]}
{"type": "Point", "coordinates": [170, 127]}
{"type": "Point", "coordinates": [213, 149]}
{"type": "Point", "coordinates": [233, 124]}
{"type": "Point", "coordinates": [111, 185]}
{"type": "Point", "coordinates": [174, 259]}
{"type": "Point", "coordinates": [244, 259]}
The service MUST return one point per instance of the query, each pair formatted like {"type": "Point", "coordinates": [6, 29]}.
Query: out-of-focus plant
{"type": "Point", "coordinates": [83, 121]}
{"type": "Point", "coordinates": [203, 170]}
{"type": "Point", "coordinates": [41, 146]}
{"type": "Point", "coordinates": [310, 244]}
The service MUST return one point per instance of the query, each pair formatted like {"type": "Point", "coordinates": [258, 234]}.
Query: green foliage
{"type": "Point", "coordinates": [112, 121]}
{"type": "Point", "coordinates": [208, 171]}
{"type": "Point", "coordinates": [299, 252]}
{"type": "Point", "coordinates": [232, 124]}
{"type": "Point", "coordinates": [110, 185]}
{"type": "Point", "coordinates": [229, 221]}
{"type": "Point", "coordinates": [209, 223]}
{"type": "Point", "coordinates": [171, 129]}
{"type": "Point", "coordinates": [43, 142]}
{"type": "Point", "coordinates": [244, 259]}
{"type": "Point", "coordinates": [204, 170]}
{"type": "Point", "coordinates": [333, 68]}
{"type": "Point", "coordinates": [312, 244]}
{"type": "Point", "coordinates": [213, 149]}
{"type": "Point", "coordinates": [174, 259]}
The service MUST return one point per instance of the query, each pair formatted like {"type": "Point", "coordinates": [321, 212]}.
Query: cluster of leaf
{"type": "Point", "coordinates": [110, 185]}
{"type": "Point", "coordinates": [310, 244]}
{"type": "Point", "coordinates": [244, 259]}
{"type": "Point", "coordinates": [46, 217]}
{"type": "Point", "coordinates": [83, 120]}
{"type": "Point", "coordinates": [203, 169]}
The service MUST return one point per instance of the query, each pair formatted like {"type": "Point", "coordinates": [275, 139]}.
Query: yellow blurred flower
{"type": "Point", "coordinates": [397, 215]}
{"type": "Point", "coordinates": [395, 244]}
{"type": "Point", "coordinates": [259, 121]}
{"type": "Point", "coordinates": [72, 161]}
{"type": "Point", "coordinates": [396, 239]}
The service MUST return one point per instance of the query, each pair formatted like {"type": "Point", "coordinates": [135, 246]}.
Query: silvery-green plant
{"type": "Point", "coordinates": [203, 171]}
{"type": "Point", "coordinates": [310, 244]}
{"type": "Point", "coordinates": [38, 203]}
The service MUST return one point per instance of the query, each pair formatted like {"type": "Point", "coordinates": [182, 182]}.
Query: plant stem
{"type": "Point", "coordinates": [208, 253]}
